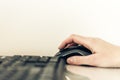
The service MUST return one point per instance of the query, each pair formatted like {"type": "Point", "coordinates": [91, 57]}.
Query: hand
{"type": "Point", "coordinates": [104, 54]}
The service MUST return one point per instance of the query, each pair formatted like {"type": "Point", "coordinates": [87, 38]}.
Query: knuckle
{"type": "Point", "coordinates": [97, 62]}
{"type": "Point", "coordinates": [97, 39]}
{"type": "Point", "coordinates": [72, 35]}
{"type": "Point", "coordinates": [93, 61]}
{"type": "Point", "coordinates": [93, 40]}
{"type": "Point", "coordinates": [76, 59]}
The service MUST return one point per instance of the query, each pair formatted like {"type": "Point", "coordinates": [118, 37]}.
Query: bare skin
{"type": "Point", "coordinates": [104, 54]}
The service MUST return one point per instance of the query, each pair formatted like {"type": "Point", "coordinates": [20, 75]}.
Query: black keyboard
{"type": "Point", "coordinates": [31, 68]}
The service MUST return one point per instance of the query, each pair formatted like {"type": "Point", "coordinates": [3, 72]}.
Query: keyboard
{"type": "Point", "coordinates": [19, 67]}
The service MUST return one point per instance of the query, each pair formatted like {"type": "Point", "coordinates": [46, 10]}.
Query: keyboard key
{"type": "Point", "coordinates": [34, 74]}
{"type": "Point", "coordinates": [33, 59]}
{"type": "Point", "coordinates": [21, 73]}
{"type": "Point", "coordinates": [44, 59]}
{"type": "Point", "coordinates": [54, 59]}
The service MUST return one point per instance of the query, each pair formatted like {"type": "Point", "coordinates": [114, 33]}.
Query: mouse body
{"type": "Point", "coordinates": [73, 51]}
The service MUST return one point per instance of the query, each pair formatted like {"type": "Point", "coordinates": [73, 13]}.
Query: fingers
{"type": "Point", "coordinates": [86, 60]}
{"type": "Point", "coordinates": [76, 39]}
{"type": "Point", "coordinates": [71, 44]}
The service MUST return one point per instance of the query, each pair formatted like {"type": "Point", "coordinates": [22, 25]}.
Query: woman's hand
{"type": "Point", "coordinates": [104, 53]}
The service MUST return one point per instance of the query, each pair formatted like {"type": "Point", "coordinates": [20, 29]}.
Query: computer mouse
{"type": "Point", "coordinates": [73, 51]}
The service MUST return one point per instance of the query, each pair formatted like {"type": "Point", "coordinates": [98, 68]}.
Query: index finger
{"type": "Point", "coordinates": [73, 39]}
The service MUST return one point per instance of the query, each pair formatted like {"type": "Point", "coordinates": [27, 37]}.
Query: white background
{"type": "Point", "coordinates": [36, 27]}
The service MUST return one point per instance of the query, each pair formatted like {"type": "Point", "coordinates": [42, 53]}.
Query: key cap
{"type": "Point", "coordinates": [21, 73]}
{"type": "Point", "coordinates": [33, 59]}
{"type": "Point", "coordinates": [44, 59]}
{"type": "Point", "coordinates": [34, 73]}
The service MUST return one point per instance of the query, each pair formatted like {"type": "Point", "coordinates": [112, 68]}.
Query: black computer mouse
{"type": "Point", "coordinates": [73, 51]}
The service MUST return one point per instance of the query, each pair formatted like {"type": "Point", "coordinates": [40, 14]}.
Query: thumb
{"type": "Point", "coordinates": [83, 60]}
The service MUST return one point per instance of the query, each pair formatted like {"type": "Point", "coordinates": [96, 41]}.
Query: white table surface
{"type": "Point", "coordinates": [91, 73]}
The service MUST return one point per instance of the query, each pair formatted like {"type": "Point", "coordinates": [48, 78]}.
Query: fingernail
{"type": "Point", "coordinates": [59, 47]}
{"type": "Point", "coordinates": [70, 60]}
